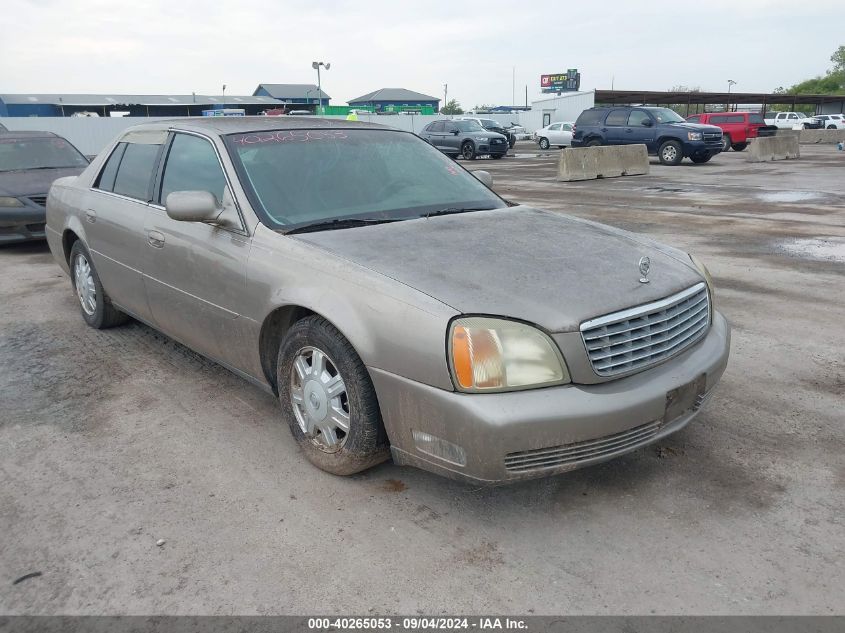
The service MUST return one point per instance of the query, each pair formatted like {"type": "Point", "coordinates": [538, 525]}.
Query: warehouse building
{"type": "Point", "coordinates": [300, 96]}
{"type": "Point", "coordinates": [397, 100]}
{"type": "Point", "coordinates": [59, 105]}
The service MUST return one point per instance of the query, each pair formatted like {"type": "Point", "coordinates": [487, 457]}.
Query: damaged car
{"type": "Point", "coordinates": [394, 304]}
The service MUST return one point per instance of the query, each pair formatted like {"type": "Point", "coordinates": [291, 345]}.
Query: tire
{"type": "Point", "coordinates": [544, 143]}
{"type": "Point", "coordinates": [363, 443]}
{"type": "Point", "coordinates": [831, 127]}
{"type": "Point", "coordinates": [94, 304]}
{"type": "Point", "coordinates": [511, 142]}
{"type": "Point", "coordinates": [726, 142]}
{"type": "Point", "coordinates": [592, 143]}
{"type": "Point", "coordinates": [738, 147]}
{"type": "Point", "coordinates": [468, 150]}
{"type": "Point", "coordinates": [670, 153]}
{"type": "Point", "coordinates": [700, 159]}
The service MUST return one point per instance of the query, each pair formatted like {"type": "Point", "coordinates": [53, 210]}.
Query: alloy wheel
{"type": "Point", "coordinates": [319, 399]}
{"type": "Point", "coordinates": [670, 154]}
{"type": "Point", "coordinates": [83, 280]}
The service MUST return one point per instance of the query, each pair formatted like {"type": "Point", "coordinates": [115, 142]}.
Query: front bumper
{"type": "Point", "coordinates": [535, 433]}
{"type": "Point", "coordinates": [492, 148]}
{"type": "Point", "coordinates": [19, 224]}
{"type": "Point", "coordinates": [692, 148]}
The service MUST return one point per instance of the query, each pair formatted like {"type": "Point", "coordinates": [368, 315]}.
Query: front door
{"type": "Point", "coordinates": [640, 129]}
{"type": "Point", "coordinates": [194, 272]}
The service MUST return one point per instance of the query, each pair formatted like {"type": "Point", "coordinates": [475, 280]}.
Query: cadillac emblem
{"type": "Point", "coordinates": [645, 266]}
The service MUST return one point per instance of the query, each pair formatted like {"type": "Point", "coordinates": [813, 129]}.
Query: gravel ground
{"type": "Point", "coordinates": [112, 442]}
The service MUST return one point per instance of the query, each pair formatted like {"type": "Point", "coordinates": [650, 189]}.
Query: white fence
{"type": "Point", "coordinates": [92, 134]}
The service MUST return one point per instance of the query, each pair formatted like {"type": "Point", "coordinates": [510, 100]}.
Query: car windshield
{"type": "Point", "coordinates": [490, 123]}
{"type": "Point", "coordinates": [18, 154]}
{"type": "Point", "coordinates": [665, 115]}
{"type": "Point", "coordinates": [468, 126]}
{"type": "Point", "coordinates": [300, 177]}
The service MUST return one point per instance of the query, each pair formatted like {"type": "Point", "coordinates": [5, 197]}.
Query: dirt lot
{"type": "Point", "coordinates": [110, 441]}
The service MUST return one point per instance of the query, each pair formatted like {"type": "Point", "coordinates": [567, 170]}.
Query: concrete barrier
{"type": "Point", "coordinates": [587, 163]}
{"type": "Point", "coordinates": [812, 137]}
{"type": "Point", "coordinates": [773, 148]}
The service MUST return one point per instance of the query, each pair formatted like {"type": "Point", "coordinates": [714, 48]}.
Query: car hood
{"type": "Point", "coordinates": [545, 268]}
{"type": "Point", "coordinates": [33, 181]}
{"type": "Point", "coordinates": [696, 127]}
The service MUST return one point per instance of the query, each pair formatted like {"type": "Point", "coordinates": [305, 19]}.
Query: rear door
{"type": "Point", "coordinates": [114, 219]}
{"type": "Point", "coordinates": [194, 272]}
{"type": "Point", "coordinates": [553, 134]}
{"type": "Point", "coordinates": [614, 128]}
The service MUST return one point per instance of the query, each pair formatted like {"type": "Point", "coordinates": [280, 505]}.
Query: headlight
{"type": "Point", "coordinates": [704, 273]}
{"type": "Point", "coordinates": [694, 136]}
{"type": "Point", "coordinates": [490, 354]}
{"type": "Point", "coordinates": [483, 139]}
{"type": "Point", "coordinates": [10, 202]}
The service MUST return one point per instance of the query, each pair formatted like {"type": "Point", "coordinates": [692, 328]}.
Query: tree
{"type": "Point", "coordinates": [838, 59]}
{"type": "Point", "coordinates": [453, 107]}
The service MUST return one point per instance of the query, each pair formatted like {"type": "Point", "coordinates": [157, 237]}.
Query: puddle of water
{"type": "Point", "coordinates": [789, 196]}
{"type": "Point", "coordinates": [830, 249]}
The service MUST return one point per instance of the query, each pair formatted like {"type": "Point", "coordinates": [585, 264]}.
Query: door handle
{"type": "Point", "coordinates": [91, 216]}
{"type": "Point", "coordinates": [155, 239]}
{"type": "Point", "coordinates": [629, 131]}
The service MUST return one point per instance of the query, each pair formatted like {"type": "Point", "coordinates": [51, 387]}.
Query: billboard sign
{"type": "Point", "coordinates": [561, 82]}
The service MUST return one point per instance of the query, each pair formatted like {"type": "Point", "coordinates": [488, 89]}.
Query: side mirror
{"type": "Point", "coordinates": [456, 132]}
{"type": "Point", "coordinates": [647, 122]}
{"type": "Point", "coordinates": [485, 178]}
{"type": "Point", "coordinates": [192, 206]}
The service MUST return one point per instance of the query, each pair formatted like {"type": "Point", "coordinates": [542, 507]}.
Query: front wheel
{"type": "Point", "coordinates": [544, 143]}
{"type": "Point", "coordinates": [831, 127]}
{"type": "Point", "coordinates": [726, 142]}
{"type": "Point", "coordinates": [328, 399]}
{"type": "Point", "coordinates": [670, 153]}
{"type": "Point", "coordinates": [468, 150]}
{"type": "Point", "coordinates": [95, 304]}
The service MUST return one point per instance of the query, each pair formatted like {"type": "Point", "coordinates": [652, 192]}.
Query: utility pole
{"type": "Point", "coordinates": [513, 86]}
{"type": "Point", "coordinates": [316, 66]}
{"type": "Point", "coordinates": [445, 96]}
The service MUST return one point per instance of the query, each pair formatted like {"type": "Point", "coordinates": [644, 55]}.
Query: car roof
{"type": "Point", "coordinates": [27, 134]}
{"type": "Point", "coordinates": [223, 125]}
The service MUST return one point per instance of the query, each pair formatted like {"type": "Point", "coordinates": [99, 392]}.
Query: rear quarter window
{"type": "Point", "coordinates": [617, 117]}
{"type": "Point", "coordinates": [105, 181]}
{"type": "Point", "coordinates": [591, 117]}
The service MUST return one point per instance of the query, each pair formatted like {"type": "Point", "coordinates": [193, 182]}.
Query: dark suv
{"type": "Point", "coordinates": [664, 133]}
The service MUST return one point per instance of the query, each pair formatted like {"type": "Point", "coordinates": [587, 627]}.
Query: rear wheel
{"type": "Point", "coordinates": [95, 304]}
{"type": "Point", "coordinates": [726, 142]}
{"type": "Point", "coordinates": [544, 143]}
{"type": "Point", "coordinates": [328, 399]}
{"type": "Point", "coordinates": [468, 150]}
{"type": "Point", "coordinates": [670, 153]}
{"type": "Point", "coordinates": [831, 127]}
{"type": "Point", "coordinates": [592, 143]}
{"type": "Point", "coordinates": [738, 147]}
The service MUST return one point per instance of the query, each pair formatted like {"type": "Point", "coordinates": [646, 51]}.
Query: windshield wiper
{"type": "Point", "coordinates": [454, 210]}
{"type": "Point", "coordinates": [339, 223]}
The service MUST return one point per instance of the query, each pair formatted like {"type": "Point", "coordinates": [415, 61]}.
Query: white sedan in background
{"type": "Point", "coordinates": [559, 134]}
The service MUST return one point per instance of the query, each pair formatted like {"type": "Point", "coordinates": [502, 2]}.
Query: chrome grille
{"type": "Point", "coordinates": [712, 137]}
{"type": "Point", "coordinates": [634, 339]}
{"type": "Point", "coordinates": [41, 201]}
{"type": "Point", "coordinates": [555, 456]}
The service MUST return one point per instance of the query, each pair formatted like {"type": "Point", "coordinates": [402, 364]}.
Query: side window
{"type": "Point", "coordinates": [717, 119]}
{"type": "Point", "coordinates": [566, 127]}
{"type": "Point", "coordinates": [637, 117]}
{"type": "Point", "coordinates": [555, 126]}
{"type": "Point", "coordinates": [450, 127]}
{"type": "Point", "coordinates": [192, 165]}
{"type": "Point", "coordinates": [437, 126]}
{"type": "Point", "coordinates": [106, 179]}
{"type": "Point", "coordinates": [617, 117]}
{"type": "Point", "coordinates": [136, 170]}
{"type": "Point", "coordinates": [736, 118]}
{"type": "Point", "coordinates": [792, 115]}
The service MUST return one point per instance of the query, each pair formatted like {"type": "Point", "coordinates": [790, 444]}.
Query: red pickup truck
{"type": "Point", "coordinates": [737, 127]}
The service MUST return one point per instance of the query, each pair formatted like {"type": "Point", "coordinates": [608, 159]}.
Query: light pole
{"type": "Point", "coordinates": [316, 66]}
{"type": "Point", "coordinates": [731, 82]}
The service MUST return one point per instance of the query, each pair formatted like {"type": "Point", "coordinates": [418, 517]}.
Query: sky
{"type": "Point", "coordinates": [485, 51]}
